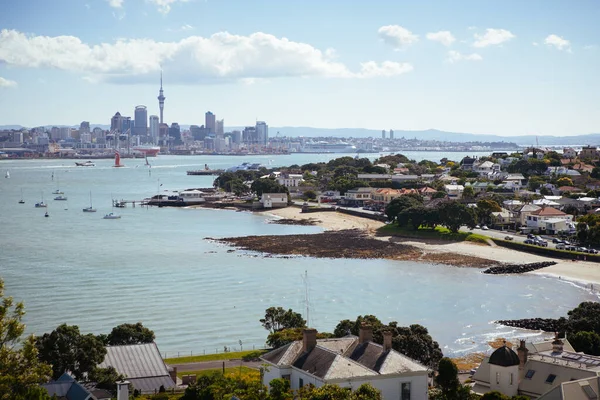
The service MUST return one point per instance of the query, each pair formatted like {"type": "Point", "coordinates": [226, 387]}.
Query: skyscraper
{"type": "Point", "coordinates": [154, 121]}
{"type": "Point", "coordinates": [161, 100]}
{"type": "Point", "coordinates": [262, 132]}
{"type": "Point", "coordinates": [391, 134]}
{"type": "Point", "coordinates": [140, 126]}
{"type": "Point", "coordinates": [383, 134]}
{"type": "Point", "coordinates": [210, 122]}
{"type": "Point", "coordinates": [220, 127]}
{"type": "Point", "coordinates": [116, 121]}
{"type": "Point", "coordinates": [84, 127]}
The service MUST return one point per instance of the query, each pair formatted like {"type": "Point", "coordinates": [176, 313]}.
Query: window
{"type": "Point", "coordinates": [511, 378]}
{"type": "Point", "coordinates": [300, 382]}
{"type": "Point", "coordinates": [405, 392]}
{"type": "Point", "coordinates": [286, 377]}
{"type": "Point", "coordinates": [550, 378]}
{"type": "Point", "coordinates": [497, 378]}
{"type": "Point", "coordinates": [529, 374]}
{"type": "Point", "coordinates": [589, 392]}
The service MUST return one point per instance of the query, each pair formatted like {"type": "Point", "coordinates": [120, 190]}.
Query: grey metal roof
{"type": "Point", "coordinates": [135, 361]}
{"type": "Point", "coordinates": [150, 385]}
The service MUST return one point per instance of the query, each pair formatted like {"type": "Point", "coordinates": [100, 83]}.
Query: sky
{"type": "Point", "coordinates": [508, 67]}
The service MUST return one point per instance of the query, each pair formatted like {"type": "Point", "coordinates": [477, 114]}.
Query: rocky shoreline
{"type": "Point", "coordinates": [518, 268]}
{"type": "Point", "coordinates": [290, 221]}
{"type": "Point", "coordinates": [535, 324]}
{"type": "Point", "coordinates": [351, 243]}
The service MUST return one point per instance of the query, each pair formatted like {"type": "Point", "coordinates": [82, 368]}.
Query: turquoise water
{"type": "Point", "coordinates": [156, 266]}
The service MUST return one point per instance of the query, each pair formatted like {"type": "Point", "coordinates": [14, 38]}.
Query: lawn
{"type": "Point", "coordinates": [439, 233]}
{"type": "Point", "coordinates": [212, 357]}
{"type": "Point", "coordinates": [234, 372]}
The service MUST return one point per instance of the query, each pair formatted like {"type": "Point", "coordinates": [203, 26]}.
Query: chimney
{"type": "Point", "coordinates": [387, 341]}
{"type": "Point", "coordinates": [173, 374]}
{"type": "Point", "coordinates": [365, 333]}
{"type": "Point", "coordinates": [522, 352]}
{"type": "Point", "coordinates": [309, 339]}
{"type": "Point", "coordinates": [123, 390]}
{"type": "Point", "coordinates": [557, 344]}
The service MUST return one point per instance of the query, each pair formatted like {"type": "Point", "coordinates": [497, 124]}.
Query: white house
{"type": "Point", "coordinates": [359, 194]}
{"type": "Point", "coordinates": [486, 168]}
{"type": "Point", "coordinates": [348, 362]}
{"type": "Point", "coordinates": [569, 152]}
{"type": "Point", "coordinates": [272, 200]}
{"type": "Point", "coordinates": [290, 180]}
{"type": "Point", "coordinates": [454, 191]}
{"type": "Point", "coordinates": [548, 219]}
{"type": "Point", "coordinates": [535, 370]}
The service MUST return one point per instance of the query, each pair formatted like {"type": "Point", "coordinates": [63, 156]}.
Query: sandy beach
{"type": "Point", "coordinates": [586, 273]}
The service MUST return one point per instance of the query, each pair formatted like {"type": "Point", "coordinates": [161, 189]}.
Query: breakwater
{"type": "Point", "coordinates": [518, 268]}
{"type": "Point", "coordinates": [536, 324]}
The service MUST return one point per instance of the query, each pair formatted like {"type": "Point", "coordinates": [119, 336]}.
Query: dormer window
{"type": "Point", "coordinates": [529, 374]}
{"type": "Point", "coordinates": [550, 379]}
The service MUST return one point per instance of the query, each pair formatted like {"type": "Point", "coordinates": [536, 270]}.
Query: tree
{"type": "Point", "coordinates": [21, 372]}
{"type": "Point", "coordinates": [586, 342]}
{"type": "Point", "coordinates": [277, 318]}
{"type": "Point", "coordinates": [494, 395]}
{"type": "Point", "coordinates": [399, 204]}
{"type": "Point", "coordinates": [310, 195]}
{"type": "Point", "coordinates": [485, 208]}
{"type": "Point", "coordinates": [564, 181]}
{"type": "Point", "coordinates": [280, 389]}
{"type": "Point", "coordinates": [585, 317]}
{"type": "Point", "coordinates": [366, 392]}
{"type": "Point", "coordinates": [106, 378]}
{"type": "Point", "coordinates": [415, 342]}
{"type": "Point", "coordinates": [453, 215]}
{"type": "Point", "coordinates": [66, 349]}
{"type": "Point", "coordinates": [447, 378]}
{"type": "Point", "coordinates": [267, 185]}
{"type": "Point", "coordinates": [130, 334]}
{"type": "Point", "coordinates": [468, 192]}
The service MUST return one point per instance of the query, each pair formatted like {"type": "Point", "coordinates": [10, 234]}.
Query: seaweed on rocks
{"type": "Point", "coordinates": [518, 268]}
{"type": "Point", "coordinates": [536, 324]}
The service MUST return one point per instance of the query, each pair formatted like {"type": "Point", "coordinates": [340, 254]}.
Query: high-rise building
{"type": "Point", "coordinates": [154, 133]}
{"type": "Point", "coordinates": [236, 137]}
{"type": "Point", "coordinates": [220, 127]}
{"type": "Point", "coordinates": [163, 134]}
{"type": "Point", "coordinates": [161, 100]}
{"type": "Point", "coordinates": [175, 134]}
{"type": "Point", "coordinates": [55, 133]}
{"type": "Point", "coordinates": [65, 132]}
{"type": "Point", "coordinates": [210, 122]}
{"type": "Point", "coordinates": [116, 122]}
{"type": "Point", "coordinates": [141, 121]}
{"type": "Point", "coordinates": [84, 127]}
{"type": "Point", "coordinates": [383, 134]}
{"type": "Point", "coordinates": [126, 125]}
{"type": "Point", "coordinates": [391, 134]}
{"type": "Point", "coordinates": [262, 132]}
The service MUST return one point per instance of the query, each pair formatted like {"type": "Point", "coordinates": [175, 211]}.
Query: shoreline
{"type": "Point", "coordinates": [582, 273]}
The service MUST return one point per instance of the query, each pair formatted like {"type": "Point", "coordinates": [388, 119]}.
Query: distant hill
{"type": "Point", "coordinates": [429, 134]}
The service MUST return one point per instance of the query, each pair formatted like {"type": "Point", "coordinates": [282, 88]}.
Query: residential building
{"type": "Point", "coordinates": [64, 133]}
{"type": "Point", "coordinates": [383, 134]}
{"type": "Point", "coordinates": [383, 196]}
{"type": "Point", "coordinates": [486, 168]}
{"type": "Point", "coordinates": [348, 362]}
{"type": "Point", "coordinates": [589, 152]}
{"type": "Point", "coordinates": [290, 180]}
{"type": "Point", "coordinates": [274, 200]}
{"type": "Point", "coordinates": [569, 152]}
{"type": "Point", "coordinates": [549, 219]}
{"type": "Point", "coordinates": [210, 122]}
{"type": "Point", "coordinates": [404, 178]}
{"type": "Point", "coordinates": [143, 366]}
{"type": "Point", "coordinates": [358, 195]}
{"type": "Point", "coordinates": [454, 191]}
{"type": "Point", "coordinates": [579, 389]}
{"type": "Point", "coordinates": [539, 371]}
{"type": "Point", "coordinates": [374, 177]}
{"type": "Point", "coordinates": [67, 388]}
{"type": "Point", "coordinates": [249, 135]}
{"type": "Point", "coordinates": [391, 134]}
{"type": "Point", "coordinates": [140, 126]}
{"type": "Point", "coordinates": [467, 163]}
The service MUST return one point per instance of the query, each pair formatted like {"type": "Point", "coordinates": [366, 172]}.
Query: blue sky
{"type": "Point", "coordinates": [501, 67]}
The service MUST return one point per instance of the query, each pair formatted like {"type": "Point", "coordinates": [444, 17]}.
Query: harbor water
{"type": "Point", "coordinates": [158, 265]}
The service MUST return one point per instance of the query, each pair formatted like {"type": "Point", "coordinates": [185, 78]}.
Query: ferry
{"type": "Point", "coordinates": [148, 150]}
{"type": "Point", "coordinates": [85, 164]}
{"type": "Point", "coordinates": [245, 167]}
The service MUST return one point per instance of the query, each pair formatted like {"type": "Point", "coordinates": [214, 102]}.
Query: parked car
{"type": "Point", "coordinates": [592, 251]}
{"type": "Point", "coordinates": [477, 227]}
{"type": "Point", "coordinates": [556, 240]}
{"type": "Point", "coordinates": [528, 241]}
{"type": "Point", "coordinates": [508, 237]}
{"type": "Point", "coordinates": [530, 236]}
{"type": "Point", "coordinates": [581, 249]}
{"type": "Point", "coordinates": [571, 248]}
{"type": "Point", "coordinates": [560, 246]}
{"type": "Point", "coordinates": [485, 228]}
{"type": "Point", "coordinates": [541, 243]}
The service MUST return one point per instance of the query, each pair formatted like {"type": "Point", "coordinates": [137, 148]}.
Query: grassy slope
{"type": "Point", "coordinates": [211, 357]}
{"type": "Point", "coordinates": [439, 233]}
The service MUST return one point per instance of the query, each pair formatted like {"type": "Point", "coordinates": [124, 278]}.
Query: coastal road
{"type": "Point", "coordinates": [218, 364]}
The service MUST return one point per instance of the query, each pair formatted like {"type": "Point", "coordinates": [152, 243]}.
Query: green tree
{"type": "Point", "coordinates": [399, 204]}
{"type": "Point", "coordinates": [66, 349]}
{"type": "Point", "coordinates": [366, 392]}
{"type": "Point", "coordinates": [130, 334]}
{"type": "Point", "coordinates": [277, 318]}
{"type": "Point", "coordinates": [415, 342]}
{"type": "Point", "coordinates": [453, 215]}
{"type": "Point", "coordinates": [280, 389]}
{"type": "Point", "coordinates": [485, 208]}
{"type": "Point", "coordinates": [468, 192]}
{"type": "Point", "coordinates": [21, 372]}
{"type": "Point", "coordinates": [584, 318]}
{"type": "Point", "coordinates": [447, 378]}
{"type": "Point", "coordinates": [564, 181]}
{"type": "Point", "coordinates": [310, 195]}
{"type": "Point", "coordinates": [586, 342]}
{"type": "Point", "coordinates": [267, 185]}
{"type": "Point", "coordinates": [494, 395]}
{"type": "Point", "coordinates": [106, 378]}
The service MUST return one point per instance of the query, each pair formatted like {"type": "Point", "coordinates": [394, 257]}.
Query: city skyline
{"type": "Point", "coordinates": [506, 69]}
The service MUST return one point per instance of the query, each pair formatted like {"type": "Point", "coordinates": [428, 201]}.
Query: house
{"type": "Point", "coordinates": [503, 218]}
{"type": "Point", "coordinates": [385, 195]}
{"type": "Point", "coordinates": [486, 168]}
{"type": "Point", "coordinates": [348, 362]}
{"type": "Point", "coordinates": [67, 388]}
{"type": "Point", "coordinates": [454, 191]}
{"type": "Point", "coordinates": [290, 180]}
{"type": "Point", "coordinates": [535, 370]}
{"type": "Point", "coordinates": [274, 200]}
{"type": "Point", "coordinates": [580, 389]}
{"type": "Point", "coordinates": [569, 152]}
{"type": "Point", "coordinates": [143, 366]}
{"type": "Point", "coordinates": [526, 211]}
{"type": "Point", "coordinates": [405, 178]}
{"type": "Point", "coordinates": [467, 163]}
{"type": "Point", "coordinates": [374, 177]}
{"type": "Point", "coordinates": [588, 152]}
{"type": "Point", "coordinates": [569, 189]}
{"type": "Point", "coordinates": [549, 219]}
{"type": "Point", "coordinates": [358, 196]}
{"type": "Point", "coordinates": [514, 180]}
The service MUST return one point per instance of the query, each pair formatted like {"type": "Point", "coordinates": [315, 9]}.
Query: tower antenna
{"type": "Point", "coordinates": [306, 301]}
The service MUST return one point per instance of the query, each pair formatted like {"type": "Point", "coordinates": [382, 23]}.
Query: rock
{"type": "Point", "coordinates": [518, 268]}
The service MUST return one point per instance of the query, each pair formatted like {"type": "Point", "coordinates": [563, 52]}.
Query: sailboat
{"type": "Point", "coordinates": [90, 208]}
{"type": "Point", "coordinates": [7, 175]}
{"type": "Point", "coordinates": [57, 191]}
{"type": "Point", "coordinates": [21, 201]}
{"type": "Point", "coordinates": [41, 204]}
{"type": "Point", "coordinates": [118, 160]}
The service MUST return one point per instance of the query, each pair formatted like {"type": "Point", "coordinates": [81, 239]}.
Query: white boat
{"type": "Point", "coordinates": [60, 198]}
{"type": "Point", "coordinates": [7, 175]}
{"type": "Point", "coordinates": [85, 164]}
{"type": "Point", "coordinates": [112, 216]}
{"type": "Point", "coordinates": [21, 201]}
{"type": "Point", "coordinates": [245, 167]}
{"type": "Point", "coordinates": [41, 204]}
{"type": "Point", "coordinates": [90, 208]}
{"type": "Point", "coordinates": [57, 191]}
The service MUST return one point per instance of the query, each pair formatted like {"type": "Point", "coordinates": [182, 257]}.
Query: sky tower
{"type": "Point", "coordinates": [161, 99]}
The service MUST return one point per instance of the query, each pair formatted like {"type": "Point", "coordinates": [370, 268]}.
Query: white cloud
{"type": "Point", "coordinates": [590, 47]}
{"type": "Point", "coordinates": [455, 56]}
{"type": "Point", "coordinates": [115, 3]}
{"type": "Point", "coordinates": [7, 83]}
{"type": "Point", "coordinates": [444, 37]}
{"type": "Point", "coordinates": [558, 42]}
{"type": "Point", "coordinates": [222, 57]}
{"type": "Point", "coordinates": [164, 6]}
{"type": "Point", "coordinates": [492, 37]}
{"type": "Point", "coordinates": [397, 36]}
{"type": "Point", "coordinates": [535, 43]}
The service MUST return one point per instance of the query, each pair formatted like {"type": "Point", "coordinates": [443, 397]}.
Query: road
{"type": "Point", "coordinates": [502, 234]}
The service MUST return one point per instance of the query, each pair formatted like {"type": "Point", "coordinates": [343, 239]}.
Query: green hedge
{"type": "Point", "coordinates": [546, 252]}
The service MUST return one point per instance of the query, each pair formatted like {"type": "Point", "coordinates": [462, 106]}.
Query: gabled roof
{"type": "Point", "coordinates": [67, 387]}
{"type": "Point", "coordinates": [581, 389]}
{"type": "Point", "coordinates": [548, 212]}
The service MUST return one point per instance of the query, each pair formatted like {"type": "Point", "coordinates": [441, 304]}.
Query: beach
{"type": "Point", "coordinates": [581, 272]}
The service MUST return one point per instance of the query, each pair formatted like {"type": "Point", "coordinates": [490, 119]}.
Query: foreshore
{"type": "Point", "coordinates": [580, 272]}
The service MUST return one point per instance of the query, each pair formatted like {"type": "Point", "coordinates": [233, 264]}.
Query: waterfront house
{"type": "Point", "coordinates": [549, 219]}
{"type": "Point", "coordinates": [142, 365]}
{"type": "Point", "coordinates": [374, 177]}
{"type": "Point", "coordinates": [486, 168]}
{"type": "Point", "coordinates": [358, 196]}
{"type": "Point", "coordinates": [289, 180]}
{"type": "Point", "coordinates": [405, 178]}
{"type": "Point", "coordinates": [467, 163]}
{"type": "Point", "coordinates": [66, 387]}
{"type": "Point", "coordinates": [579, 389]}
{"type": "Point", "coordinates": [274, 200]}
{"type": "Point", "coordinates": [535, 370]}
{"type": "Point", "coordinates": [526, 211]}
{"type": "Point", "coordinates": [454, 191]}
{"type": "Point", "coordinates": [348, 362]}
